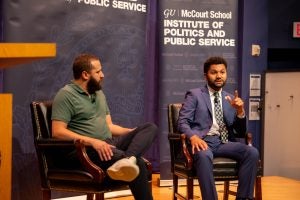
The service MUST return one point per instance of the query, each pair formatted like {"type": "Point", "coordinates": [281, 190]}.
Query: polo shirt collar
{"type": "Point", "coordinates": [76, 87]}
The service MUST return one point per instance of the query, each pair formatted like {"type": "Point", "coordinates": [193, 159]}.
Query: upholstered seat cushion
{"type": "Point", "coordinates": [222, 167]}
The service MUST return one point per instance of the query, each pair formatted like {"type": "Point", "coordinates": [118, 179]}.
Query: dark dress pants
{"type": "Point", "coordinates": [246, 156]}
{"type": "Point", "coordinates": [135, 143]}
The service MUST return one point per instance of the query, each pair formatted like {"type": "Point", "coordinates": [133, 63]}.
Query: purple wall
{"type": "Point", "coordinates": [254, 30]}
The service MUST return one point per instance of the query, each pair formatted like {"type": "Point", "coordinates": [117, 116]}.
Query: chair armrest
{"type": "Point", "coordinates": [187, 156]}
{"type": "Point", "coordinates": [174, 136]}
{"type": "Point", "coordinates": [249, 139]}
{"type": "Point", "coordinates": [52, 143]}
{"type": "Point", "coordinates": [91, 167]}
{"type": "Point", "coordinates": [148, 165]}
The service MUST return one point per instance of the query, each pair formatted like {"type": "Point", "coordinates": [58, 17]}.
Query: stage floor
{"type": "Point", "coordinates": [273, 188]}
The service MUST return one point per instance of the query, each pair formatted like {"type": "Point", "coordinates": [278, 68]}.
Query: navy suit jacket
{"type": "Point", "coordinates": [195, 116]}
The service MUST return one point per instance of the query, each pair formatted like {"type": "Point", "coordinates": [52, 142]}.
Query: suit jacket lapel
{"type": "Point", "coordinates": [206, 98]}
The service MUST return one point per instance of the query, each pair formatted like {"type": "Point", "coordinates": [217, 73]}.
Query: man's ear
{"type": "Point", "coordinates": [85, 75]}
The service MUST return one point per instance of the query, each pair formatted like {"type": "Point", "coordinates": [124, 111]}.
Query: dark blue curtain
{"type": "Point", "coordinates": [151, 79]}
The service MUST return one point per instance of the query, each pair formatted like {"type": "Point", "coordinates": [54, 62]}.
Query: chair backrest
{"type": "Point", "coordinates": [173, 114]}
{"type": "Point", "coordinates": [41, 123]}
{"type": "Point", "coordinates": [175, 146]}
{"type": "Point", "coordinates": [41, 118]}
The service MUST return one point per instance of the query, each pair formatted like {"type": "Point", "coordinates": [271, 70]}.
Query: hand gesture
{"type": "Point", "coordinates": [237, 103]}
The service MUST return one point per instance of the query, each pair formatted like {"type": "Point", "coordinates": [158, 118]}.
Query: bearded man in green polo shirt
{"type": "Point", "coordinates": [80, 112]}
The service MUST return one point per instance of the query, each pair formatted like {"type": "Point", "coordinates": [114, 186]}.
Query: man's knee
{"type": "Point", "coordinates": [204, 156]}
{"type": "Point", "coordinates": [150, 128]}
{"type": "Point", "coordinates": [253, 154]}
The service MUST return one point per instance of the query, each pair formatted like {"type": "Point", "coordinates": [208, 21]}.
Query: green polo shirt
{"type": "Point", "coordinates": [85, 115]}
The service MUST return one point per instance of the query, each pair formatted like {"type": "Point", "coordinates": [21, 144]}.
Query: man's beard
{"type": "Point", "coordinates": [93, 86]}
{"type": "Point", "coordinates": [213, 85]}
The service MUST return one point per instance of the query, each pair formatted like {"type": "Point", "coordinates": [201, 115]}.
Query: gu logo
{"type": "Point", "coordinates": [169, 12]}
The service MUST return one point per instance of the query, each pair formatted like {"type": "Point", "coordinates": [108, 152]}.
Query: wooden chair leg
{"type": "Point", "coordinates": [90, 196]}
{"type": "Point", "coordinates": [190, 188]}
{"type": "Point", "coordinates": [46, 194]}
{"type": "Point", "coordinates": [175, 186]}
{"type": "Point", "coordinates": [226, 190]}
{"type": "Point", "coordinates": [258, 190]}
{"type": "Point", "coordinates": [99, 196]}
{"type": "Point", "coordinates": [95, 196]}
{"type": "Point", "coordinates": [150, 186]}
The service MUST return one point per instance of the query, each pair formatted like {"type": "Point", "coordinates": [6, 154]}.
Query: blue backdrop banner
{"type": "Point", "coordinates": [189, 33]}
{"type": "Point", "coordinates": [113, 30]}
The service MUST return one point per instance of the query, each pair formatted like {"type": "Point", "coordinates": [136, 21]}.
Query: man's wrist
{"type": "Point", "coordinates": [241, 114]}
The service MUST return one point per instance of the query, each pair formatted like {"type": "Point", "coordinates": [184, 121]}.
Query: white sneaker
{"type": "Point", "coordinates": [124, 169]}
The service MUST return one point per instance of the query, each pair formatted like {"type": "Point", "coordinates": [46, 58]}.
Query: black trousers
{"type": "Point", "coordinates": [135, 143]}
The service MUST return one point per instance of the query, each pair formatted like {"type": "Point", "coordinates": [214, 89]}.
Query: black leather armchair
{"type": "Point", "coordinates": [86, 177]}
{"type": "Point", "coordinates": [225, 169]}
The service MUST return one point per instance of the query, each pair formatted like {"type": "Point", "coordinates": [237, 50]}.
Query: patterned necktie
{"type": "Point", "coordinates": [219, 118]}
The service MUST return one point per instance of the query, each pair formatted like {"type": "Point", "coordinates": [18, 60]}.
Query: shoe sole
{"type": "Point", "coordinates": [125, 173]}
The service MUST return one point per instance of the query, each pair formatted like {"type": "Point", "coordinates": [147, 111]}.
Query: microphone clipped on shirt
{"type": "Point", "coordinates": [93, 98]}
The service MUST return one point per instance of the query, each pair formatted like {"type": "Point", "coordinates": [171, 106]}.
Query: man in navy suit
{"type": "Point", "coordinates": [198, 120]}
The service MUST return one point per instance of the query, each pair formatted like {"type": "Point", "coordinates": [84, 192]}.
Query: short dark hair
{"type": "Point", "coordinates": [213, 61]}
{"type": "Point", "coordinates": [83, 62]}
